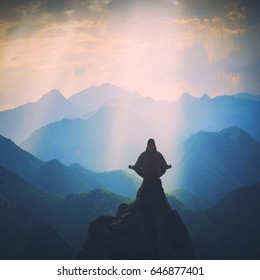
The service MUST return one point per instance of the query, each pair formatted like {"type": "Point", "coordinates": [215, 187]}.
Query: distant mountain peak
{"type": "Point", "coordinates": [54, 163]}
{"type": "Point", "coordinates": [233, 132]}
{"type": "Point", "coordinates": [53, 95]}
{"type": "Point", "coordinates": [205, 96]}
{"type": "Point", "coordinates": [186, 97]}
{"type": "Point", "coordinates": [94, 97]}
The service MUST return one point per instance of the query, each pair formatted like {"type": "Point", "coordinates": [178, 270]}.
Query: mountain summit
{"type": "Point", "coordinates": [145, 229]}
{"type": "Point", "coordinates": [91, 99]}
{"type": "Point", "coordinates": [52, 97]}
{"type": "Point", "coordinates": [19, 123]}
{"type": "Point", "coordinates": [239, 135]}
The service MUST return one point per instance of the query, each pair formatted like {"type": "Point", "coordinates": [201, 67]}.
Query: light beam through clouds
{"type": "Point", "coordinates": [159, 48]}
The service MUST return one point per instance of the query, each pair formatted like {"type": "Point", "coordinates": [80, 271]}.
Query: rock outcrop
{"type": "Point", "coordinates": [146, 229]}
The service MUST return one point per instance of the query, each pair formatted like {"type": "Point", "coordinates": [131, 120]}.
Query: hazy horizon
{"type": "Point", "coordinates": [36, 99]}
{"type": "Point", "coordinates": [157, 48]}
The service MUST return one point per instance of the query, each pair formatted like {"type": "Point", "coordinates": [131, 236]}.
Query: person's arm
{"type": "Point", "coordinates": [163, 164]}
{"type": "Point", "coordinates": [138, 166]}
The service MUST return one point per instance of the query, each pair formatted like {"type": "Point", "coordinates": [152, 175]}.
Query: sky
{"type": "Point", "coordinates": [160, 48]}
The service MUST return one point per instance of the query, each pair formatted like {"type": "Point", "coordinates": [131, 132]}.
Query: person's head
{"type": "Point", "coordinates": [151, 142]}
{"type": "Point", "coordinates": [151, 145]}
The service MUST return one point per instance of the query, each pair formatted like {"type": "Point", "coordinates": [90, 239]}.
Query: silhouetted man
{"type": "Point", "coordinates": [151, 163]}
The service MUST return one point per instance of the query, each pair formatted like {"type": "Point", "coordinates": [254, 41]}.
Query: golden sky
{"type": "Point", "coordinates": [160, 48]}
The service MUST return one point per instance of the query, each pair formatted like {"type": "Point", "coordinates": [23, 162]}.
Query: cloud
{"type": "Point", "coordinates": [22, 31]}
{"type": "Point", "coordinates": [220, 26]}
{"type": "Point", "coordinates": [156, 47]}
{"type": "Point", "coordinates": [236, 12]}
{"type": "Point", "coordinates": [29, 16]}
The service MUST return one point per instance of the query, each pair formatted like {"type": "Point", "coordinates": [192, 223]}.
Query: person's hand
{"type": "Point", "coordinates": [169, 166]}
{"type": "Point", "coordinates": [130, 166]}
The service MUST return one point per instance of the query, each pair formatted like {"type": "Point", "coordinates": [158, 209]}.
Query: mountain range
{"type": "Point", "coordinates": [36, 224]}
{"type": "Point", "coordinates": [47, 198]}
{"type": "Point", "coordinates": [207, 164]}
{"type": "Point", "coordinates": [59, 179]}
{"type": "Point", "coordinates": [23, 212]}
{"type": "Point", "coordinates": [182, 117]}
{"type": "Point", "coordinates": [19, 123]}
{"type": "Point", "coordinates": [106, 141]}
{"type": "Point", "coordinates": [211, 164]}
{"type": "Point", "coordinates": [105, 128]}
{"type": "Point", "coordinates": [115, 125]}
{"type": "Point", "coordinates": [70, 168]}
{"type": "Point", "coordinates": [230, 229]}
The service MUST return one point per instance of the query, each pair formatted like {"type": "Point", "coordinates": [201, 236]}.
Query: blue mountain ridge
{"type": "Point", "coordinates": [184, 116]}
{"type": "Point", "coordinates": [35, 224]}
{"type": "Point", "coordinates": [20, 122]}
{"type": "Point", "coordinates": [218, 163]}
{"type": "Point", "coordinates": [211, 164]}
{"type": "Point", "coordinates": [59, 179]}
{"type": "Point", "coordinates": [207, 164]}
{"type": "Point", "coordinates": [40, 225]}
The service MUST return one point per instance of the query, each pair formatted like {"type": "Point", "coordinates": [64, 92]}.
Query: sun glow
{"type": "Point", "coordinates": [153, 47]}
{"type": "Point", "coordinates": [138, 55]}
{"type": "Point", "coordinates": [157, 48]}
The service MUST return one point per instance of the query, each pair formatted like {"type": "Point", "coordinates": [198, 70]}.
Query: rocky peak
{"type": "Point", "coordinates": [145, 229]}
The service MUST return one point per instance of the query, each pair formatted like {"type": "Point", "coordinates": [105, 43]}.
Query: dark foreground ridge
{"type": "Point", "coordinates": [145, 229]}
